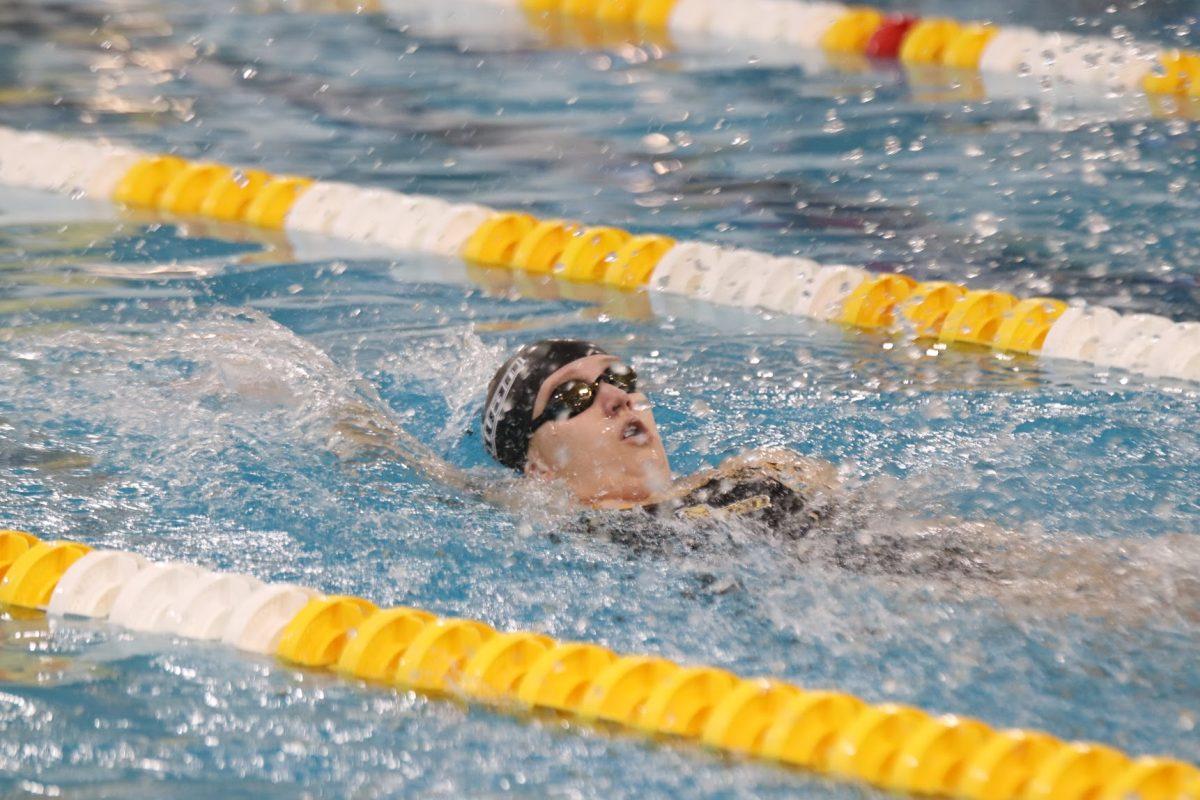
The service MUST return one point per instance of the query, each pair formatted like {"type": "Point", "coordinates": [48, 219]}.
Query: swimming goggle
{"type": "Point", "coordinates": [573, 397]}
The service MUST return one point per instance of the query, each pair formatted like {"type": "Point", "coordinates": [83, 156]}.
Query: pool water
{"type": "Point", "coordinates": [173, 386]}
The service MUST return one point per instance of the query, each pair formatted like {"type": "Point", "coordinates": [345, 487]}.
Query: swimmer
{"type": "Point", "coordinates": [571, 424]}
{"type": "Point", "coordinates": [564, 411]}
{"type": "Point", "coordinates": [567, 413]}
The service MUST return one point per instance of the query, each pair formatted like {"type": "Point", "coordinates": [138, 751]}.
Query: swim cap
{"type": "Point", "coordinates": [508, 412]}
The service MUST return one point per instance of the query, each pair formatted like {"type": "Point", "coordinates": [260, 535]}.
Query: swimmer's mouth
{"type": "Point", "coordinates": [635, 432]}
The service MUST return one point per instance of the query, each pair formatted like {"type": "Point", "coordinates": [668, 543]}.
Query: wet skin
{"type": "Point", "coordinates": [609, 455]}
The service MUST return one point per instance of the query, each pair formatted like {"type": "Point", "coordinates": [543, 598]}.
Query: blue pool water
{"type": "Point", "coordinates": [171, 387]}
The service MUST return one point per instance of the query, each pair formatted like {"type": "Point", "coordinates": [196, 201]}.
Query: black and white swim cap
{"type": "Point", "coordinates": [508, 412]}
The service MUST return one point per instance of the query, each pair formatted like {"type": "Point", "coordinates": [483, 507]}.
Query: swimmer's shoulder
{"type": "Point", "coordinates": [799, 473]}
{"type": "Point", "coordinates": [783, 490]}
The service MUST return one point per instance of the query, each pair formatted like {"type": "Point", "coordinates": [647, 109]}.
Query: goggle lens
{"type": "Point", "coordinates": [569, 399]}
{"type": "Point", "coordinates": [622, 377]}
{"type": "Point", "coordinates": [572, 398]}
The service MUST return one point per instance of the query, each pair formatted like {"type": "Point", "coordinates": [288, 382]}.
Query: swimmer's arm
{"type": "Point", "coordinates": [1115, 578]}
{"type": "Point", "coordinates": [361, 428]}
{"type": "Point", "coordinates": [1118, 579]}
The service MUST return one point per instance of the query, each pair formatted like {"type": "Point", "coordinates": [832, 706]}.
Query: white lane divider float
{"type": "Point", "coordinates": [317, 209]}
{"type": "Point", "coordinates": [177, 598]}
{"type": "Point", "coordinates": [446, 236]}
{"type": "Point", "coordinates": [90, 585]}
{"type": "Point", "coordinates": [685, 267]}
{"type": "Point", "coordinates": [257, 622]}
{"type": "Point", "coordinates": [67, 166]}
{"type": "Point", "coordinates": [728, 276]}
{"type": "Point", "coordinates": [1177, 353]}
{"type": "Point", "coordinates": [1130, 341]}
{"type": "Point", "coordinates": [205, 606]}
{"type": "Point", "coordinates": [799, 24]}
{"type": "Point", "coordinates": [770, 285]}
{"type": "Point", "coordinates": [143, 603]}
{"type": "Point", "coordinates": [690, 16]}
{"type": "Point", "coordinates": [822, 297]}
{"type": "Point", "coordinates": [381, 216]}
{"type": "Point", "coordinates": [1077, 333]}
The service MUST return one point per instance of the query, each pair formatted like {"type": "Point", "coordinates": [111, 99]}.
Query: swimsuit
{"type": "Point", "coordinates": [766, 494]}
{"type": "Point", "coordinates": [775, 501]}
{"type": "Point", "coordinates": [764, 499]}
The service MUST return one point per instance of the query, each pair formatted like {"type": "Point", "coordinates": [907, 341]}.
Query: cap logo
{"type": "Point", "coordinates": [499, 405]}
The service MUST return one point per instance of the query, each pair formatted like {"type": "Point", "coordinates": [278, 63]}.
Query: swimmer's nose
{"type": "Point", "coordinates": [613, 400]}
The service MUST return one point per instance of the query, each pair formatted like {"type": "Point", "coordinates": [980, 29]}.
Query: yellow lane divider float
{"type": "Point", "coordinates": [1111, 64]}
{"type": "Point", "coordinates": [937, 311]}
{"type": "Point", "coordinates": [891, 746]}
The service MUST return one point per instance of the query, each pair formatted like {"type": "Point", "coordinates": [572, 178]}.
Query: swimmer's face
{"type": "Point", "coordinates": [610, 452]}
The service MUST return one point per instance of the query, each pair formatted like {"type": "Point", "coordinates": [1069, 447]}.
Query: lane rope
{"type": "Point", "coordinates": [939, 312]}
{"type": "Point", "coordinates": [891, 746]}
{"type": "Point", "coordinates": [984, 58]}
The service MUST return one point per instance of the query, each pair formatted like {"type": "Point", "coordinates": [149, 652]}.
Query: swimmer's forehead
{"type": "Point", "coordinates": [586, 369]}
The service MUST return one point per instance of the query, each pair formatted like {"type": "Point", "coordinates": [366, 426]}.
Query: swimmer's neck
{"type": "Point", "coordinates": [645, 498]}
{"type": "Point", "coordinates": [679, 486]}
{"type": "Point", "coordinates": [810, 471]}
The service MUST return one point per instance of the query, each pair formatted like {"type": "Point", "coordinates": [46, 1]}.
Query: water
{"type": "Point", "coordinates": [171, 387]}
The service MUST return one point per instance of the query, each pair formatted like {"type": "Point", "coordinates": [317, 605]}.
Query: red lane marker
{"type": "Point", "coordinates": [885, 43]}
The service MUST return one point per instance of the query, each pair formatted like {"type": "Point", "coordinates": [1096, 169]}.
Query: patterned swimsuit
{"type": "Point", "coordinates": [810, 522]}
